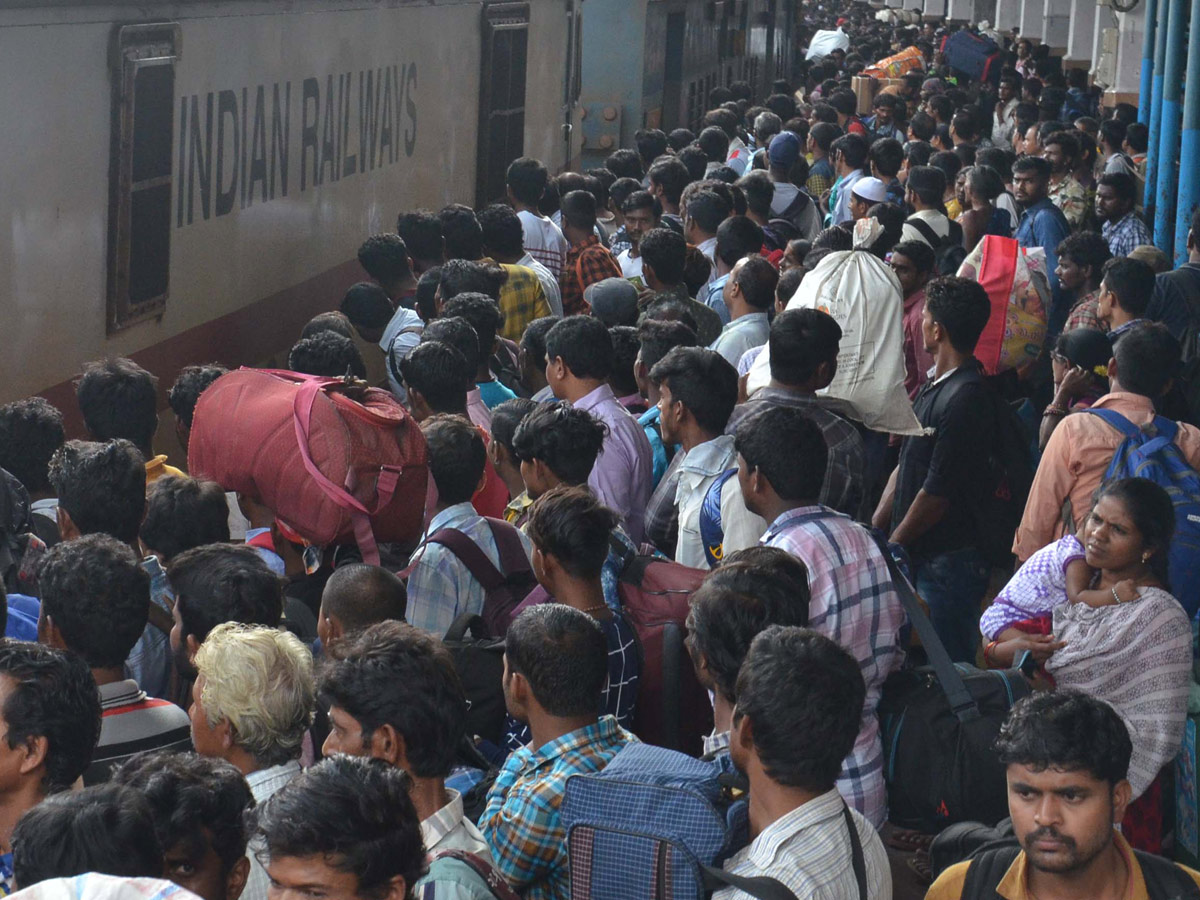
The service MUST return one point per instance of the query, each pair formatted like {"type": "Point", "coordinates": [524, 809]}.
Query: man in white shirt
{"type": "Point", "coordinates": [748, 294]}
{"type": "Point", "coordinates": [803, 834]}
{"type": "Point", "coordinates": [704, 211]}
{"type": "Point", "coordinates": [504, 241]}
{"type": "Point", "coordinates": [393, 695]}
{"type": "Point", "coordinates": [544, 241]}
{"type": "Point", "coordinates": [924, 190]}
{"type": "Point", "coordinates": [697, 392]}
{"type": "Point", "coordinates": [642, 212]}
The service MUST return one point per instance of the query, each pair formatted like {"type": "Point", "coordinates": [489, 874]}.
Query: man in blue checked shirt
{"type": "Point", "coordinates": [555, 668]}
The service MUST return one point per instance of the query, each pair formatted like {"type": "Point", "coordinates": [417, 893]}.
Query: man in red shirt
{"type": "Point", "coordinates": [588, 261]}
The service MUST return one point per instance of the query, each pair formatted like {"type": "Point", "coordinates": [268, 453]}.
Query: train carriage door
{"type": "Point", "coordinates": [501, 96]}
{"type": "Point", "coordinates": [673, 76]}
{"type": "Point", "coordinates": [143, 61]}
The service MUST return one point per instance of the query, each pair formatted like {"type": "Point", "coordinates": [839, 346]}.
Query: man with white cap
{"type": "Point", "coordinates": [865, 193]}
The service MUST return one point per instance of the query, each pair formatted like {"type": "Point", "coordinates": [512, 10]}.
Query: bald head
{"type": "Point", "coordinates": [358, 596]}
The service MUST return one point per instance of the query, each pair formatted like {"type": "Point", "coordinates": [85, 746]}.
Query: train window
{"type": "Point", "coordinates": [501, 96]}
{"type": "Point", "coordinates": [139, 214]}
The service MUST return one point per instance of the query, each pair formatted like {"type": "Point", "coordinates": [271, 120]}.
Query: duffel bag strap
{"type": "Point", "coordinates": [760, 886]}
{"type": "Point", "coordinates": [962, 704]}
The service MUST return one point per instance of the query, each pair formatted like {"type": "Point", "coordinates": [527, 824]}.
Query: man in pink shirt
{"type": "Point", "coordinates": [579, 359]}
{"type": "Point", "coordinates": [913, 262]}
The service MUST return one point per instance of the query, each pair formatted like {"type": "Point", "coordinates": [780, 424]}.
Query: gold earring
{"type": "Point", "coordinates": [1145, 556]}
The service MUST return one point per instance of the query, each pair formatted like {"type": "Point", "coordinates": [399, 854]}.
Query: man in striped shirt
{"type": "Point", "coordinates": [95, 602]}
{"type": "Point", "coordinates": [544, 240]}
{"type": "Point", "coordinates": [781, 465]}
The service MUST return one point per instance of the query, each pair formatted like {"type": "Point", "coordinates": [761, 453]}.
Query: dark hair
{"type": "Point", "coordinates": [221, 583]}
{"type": "Point", "coordinates": [825, 114]}
{"type": "Point", "coordinates": [461, 232]}
{"type": "Point", "coordinates": [335, 320]}
{"type": "Point", "coordinates": [965, 124]}
{"type": "Point", "coordinates": [891, 218]}
{"type": "Point", "coordinates": [1066, 730]}
{"type": "Point", "coordinates": [456, 332]}
{"type": "Point", "coordinates": [1132, 281]}
{"type": "Point", "coordinates": [757, 279]}
{"type": "Point", "coordinates": [385, 257]}
{"type": "Point", "coordinates": [30, 432]}
{"type": "Point", "coordinates": [1112, 132]}
{"type": "Point", "coordinates": [671, 175]}
{"type": "Point", "coordinates": [651, 144]}
{"type": "Point", "coordinates": [353, 812]}
{"type": "Point", "coordinates": [624, 188]}
{"type": "Point", "coordinates": [567, 440]}
{"type": "Point", "coordinates": [942, 108]}
{"type": "Point", "coordinates": [533, 340]}
{"type": "Point", "coordinates": [482, 313]}
{"type": "Point", "coordinates": [928, 183]}
{"type": "Point", "coordinates": [361, 595]}
{"type": "Point", "coordinates": [854, 149]}
{"type": "Point", "coordinates": [583, 344]}
{"type": "Point", "coordinates": [463, 276]}
{"type": "Point", "coordinates": [950, 164]}
{"type": "Point", "coordinates": [625, 351]}
{"type": "Point", "coordinates": [189, 795]}
{"type": "Point", "coordinates": [327, 353]}
{"type": "Point", "coordinates": [502, 230]}
{"type": "Point", "coordinates": [456, 456]}
{"type": "Point", "coordinates": [507, 416]}
{"type": "Point", "coordinates": [439, 373]}
{"type": "Point", "coordinates": [563, 655]}
{"type": "Point", "coordinates": [367, 305]}
{"type": "Point", "coordinates": [1068, 142]}
{"type": "Point", "coordinates": [800, 340]}
{"type": "Point", "coordinates": [714, 141]}
{"type": "Point", "coordinates": [680, 138]}
{"type": "Point", "coordinates": [625, 163]}
{"type": "Point", "coordinates": [1147, 359]}
{"type": "Point", "coordinates": [961, 307]}
{"type": "Point", "coordinates": [526, 178]}
{"type": "Point", "coordinates": [833, 238]}
{"type": "Point", "coordinates": [1085, 248]}
{"type": "Point", "coordinates": [1122, 184]}
{"type": "Point", "coordinates": [665, 251]}
{"type": "Point", "coordinates": [395, 674]}
{"type": "Point", "coordinates": [759, 191]}
{"type": "Point", "coordinates": [191, 383]}
{"type": "Point", "coordinates": [824, 134]}
{"type": "Point", "coordinates": [984, 182]}
{"type": "Point", "coordinates": [1033, 165]}
{"type": "Point", "coordinates": [787, 448]}
{"type": "Point", "coordinates": [118, 399]}
{"type": "Point", "coordinates": [922, 125]}
{"type": "Point", "coordinates": [182, 513]}
{"type": "Point", "coordinates": [421, 231]}
{"type": "Point", "coordinates": [737, 236]}
{"type": "Point", "coordinates": [708, 210]}
{"type": "Point", "coordinates": [996, 158]}
{"type": "Point", "coordinates": [844, 102]}
{"type": "Point", "coordinates": [668, 307]}
{"type": "Point", "coordinates": [1152, 511]}
{"type": "Point", "coordinates": [102, 487]}
{"type": "Point", "coordinates": [425, 298]}
{"type": "Point", "coordinates": [919, 253]}
{"type": "Point", "coordinates": [1137, 136]}
{"type": "Point", "coordinates": [752, 589]}
{"type": "Point", "coordinates": [917, 153]}
{"type": "Point", "coordinates": [570, 524]}
{"type": "Point", "coordinates": [887, 154]}
{"type": "Point", "coordinates": [579, 210]}
{"type": "Point", "coordinates": [803, 695]}
{"type": "Point", "coordinates": [106, 828]}
{"type": "Point", "coordinates": [54, 696]}
{"type": "Point", "coordinates": [658, 337]}
{"type": "Point", "coordinates": [789, 283]}
{"type": "Point", "coordinates": [703, 381]}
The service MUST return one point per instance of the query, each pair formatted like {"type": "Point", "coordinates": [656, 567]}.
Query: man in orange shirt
{"type": "Point", "coordinates": [1081, 448]}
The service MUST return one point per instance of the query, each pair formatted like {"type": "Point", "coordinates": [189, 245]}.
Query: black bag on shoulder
{"type": "Point", "coordinates": [948, 252]}
{"type": "Point", "coordinates": [939, 723]}
{"type": "Point", "coordinates": [1164, 879]}
{"type": "Point", "coordinates": [479, 660]}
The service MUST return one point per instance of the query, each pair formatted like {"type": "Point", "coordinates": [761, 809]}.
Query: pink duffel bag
{"type": "Point", "coordinates": [333, 460]}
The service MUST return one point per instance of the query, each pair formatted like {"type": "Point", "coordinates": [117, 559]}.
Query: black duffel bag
{"type": "Point", "coordinates": [939, 723]}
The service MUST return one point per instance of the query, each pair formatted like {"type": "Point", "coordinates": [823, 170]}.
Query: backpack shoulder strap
{"type": "Point", "coordinates": [760, 886]}
{"type": "Point", "coordinates": [509, 546]}
{"type": "Point", "coordinates": [986, 871]}
{"type": "Point", "coordinates": [485, 870]}
{"type": "Point", "coordinates": [470, 555]}
{"type": "Point", "coordinates": [1116, 420]}
{"type": "Point", "coordinates": [1165, 880]}
{"type": "Point", "coordinates": [927, 232]}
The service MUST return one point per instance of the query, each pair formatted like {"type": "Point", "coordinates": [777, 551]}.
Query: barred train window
{"type": "Point", "coordinates": [139, 215]}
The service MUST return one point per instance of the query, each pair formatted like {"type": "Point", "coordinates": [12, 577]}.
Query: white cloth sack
{"type": "Point", "coordinates": [862, 293]}
{"type": "Point", "coordinates": [825, 42]}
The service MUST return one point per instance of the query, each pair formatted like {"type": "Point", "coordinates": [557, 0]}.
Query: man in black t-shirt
{"type": "Point", "coordinates": [931, 502]}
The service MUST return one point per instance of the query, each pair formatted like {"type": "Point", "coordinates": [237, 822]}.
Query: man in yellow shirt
{"type": "Point", "coordinates": [1068, 757]}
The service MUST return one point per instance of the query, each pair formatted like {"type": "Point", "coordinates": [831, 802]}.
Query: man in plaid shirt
{"type": "Point", "coordinates": [1121, 226]}
{"type": "Point", "coordinates": [588, 261]}
{"type": "Point", "coordinates": [781, 465]}
{"type": "Point", "coordinates": [555, 669]}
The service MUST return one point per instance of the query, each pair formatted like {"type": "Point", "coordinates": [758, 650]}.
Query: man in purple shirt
{"type": "Point", "coordinates": [579, 359]}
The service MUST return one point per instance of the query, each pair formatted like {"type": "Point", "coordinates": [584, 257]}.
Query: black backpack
{"type": "Point", "coordinates": [479, 660]}
{"type": "Point", "coordinates": [1164, 879]}
{"type": "Point", "coordinates": [948, 252]}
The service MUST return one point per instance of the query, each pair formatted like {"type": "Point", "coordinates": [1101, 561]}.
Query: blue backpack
{"type": "Point", "coordinates": [712, 533]}
{"type": "Point", "coordinates": [1151, 453]}
{"type": "Point", "coordinates": [655, 824]}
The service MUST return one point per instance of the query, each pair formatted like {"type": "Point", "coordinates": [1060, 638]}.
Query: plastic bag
{"type": "Point", "coordinates": [825, 42]}
{"type": "Point", "coordinates": [910, 59]}
{"type": "Point", "coordinates": [862, 293]}
{"type": "Point", "coordinates": [1016, 283]}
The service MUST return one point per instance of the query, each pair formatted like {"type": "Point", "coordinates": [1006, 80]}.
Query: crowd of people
{"type": "Point", "coordinates": [192, 689]}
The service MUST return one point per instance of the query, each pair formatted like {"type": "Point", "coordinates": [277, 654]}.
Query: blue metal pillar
{"type": "Point", "coordinates": [1168, 129]}
{"type": "Point", "coordinates": [1147, 86]}
{"type": "Point", "coordinates": [1160, 60]}
{"type": "Point", "coordinates": [1189, 152]}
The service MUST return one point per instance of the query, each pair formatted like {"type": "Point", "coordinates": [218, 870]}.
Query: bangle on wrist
{"type": "Point", "coordinates": [1055, 409]}
{"type": "Point", "coordinates": [1117, 596]}
{"type": "Point", "coordinates": [988, 650]}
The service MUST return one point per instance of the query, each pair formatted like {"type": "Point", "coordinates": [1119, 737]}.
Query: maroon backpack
{"type": "Point", "coordinates": [504, 588]}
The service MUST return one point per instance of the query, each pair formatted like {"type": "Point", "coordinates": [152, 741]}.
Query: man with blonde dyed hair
{"type": "Point", "coordinates": [251, 705]}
